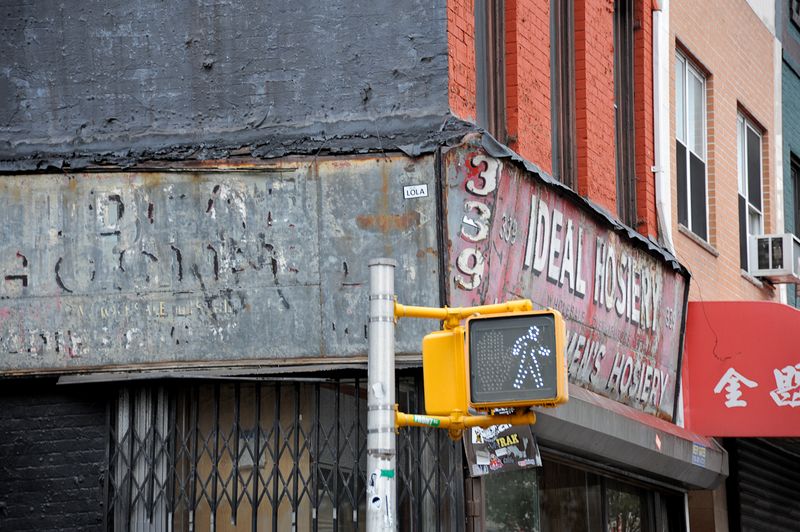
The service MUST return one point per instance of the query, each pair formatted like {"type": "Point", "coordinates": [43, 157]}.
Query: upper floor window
{"type": "Point", "coordinates": [490, 54]}
{"type": "Point", "coordinates": [795, 169]}
{"type": "Point", "coordinates": [794, 9]}
{"type": "Point", "coordinates": [751, 210]}
{"type": "Point", "coordinates": [690, 136]}
{"type": "Point", "coordinates": [623, 105]}
{"type": "Point", "coordinates": [562, 90]}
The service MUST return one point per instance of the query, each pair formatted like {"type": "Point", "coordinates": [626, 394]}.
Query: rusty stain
{"type": "Point", "coordinates": [427, 251]}
{"type": "Point", "coordinates": [151, 180]}
{"type": "Point", "coordinates": [388, 222]}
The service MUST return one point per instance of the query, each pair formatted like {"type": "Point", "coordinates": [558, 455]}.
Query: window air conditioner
{"type": "Point", "coordinates": [775, 257]}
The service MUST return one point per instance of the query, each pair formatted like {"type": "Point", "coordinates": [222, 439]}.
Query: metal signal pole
{"type": "Point", "coordinates": [381, 438]}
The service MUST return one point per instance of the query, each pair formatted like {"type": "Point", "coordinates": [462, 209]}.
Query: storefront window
{"type": "Point", "coordinates": [512, 501]}
{"type": "Point", "coordinates": [559, 497]}
{"type": "Point", "coordinates": [625, 508]}
{"type": "Point", "coordinates": [571, 499]}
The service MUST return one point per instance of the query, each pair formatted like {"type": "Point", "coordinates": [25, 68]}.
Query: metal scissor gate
{"type": "Point", "coordinates": [268, 455]}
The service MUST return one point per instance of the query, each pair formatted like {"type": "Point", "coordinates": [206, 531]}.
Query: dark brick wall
{"type": "Point", "coordinates": [52, 456]}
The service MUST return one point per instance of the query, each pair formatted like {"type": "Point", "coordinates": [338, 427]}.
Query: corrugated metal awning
{"type": "Point", "coordinates": [293, 371]}
{"type": "Point", "coordinates": [613, 434]}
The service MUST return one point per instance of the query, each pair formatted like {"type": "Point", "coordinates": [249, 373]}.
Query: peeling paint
{"type": "Point", "coordinates": [141, 273]}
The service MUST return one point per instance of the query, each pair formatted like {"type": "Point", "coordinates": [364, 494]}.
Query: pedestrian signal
{"type": "Point", "coordinates": [444, 376]}
{"type": "Point", "coordinates": [516, 360]}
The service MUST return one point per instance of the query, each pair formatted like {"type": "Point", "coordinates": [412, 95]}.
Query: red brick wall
{"type": "Point", "coordinates": [461, 58]}
{"type": "Point", "coordinates": [528, 79]}
{"type": "Point", "coordinates": [643, 118]}
{"type": "Point", "coordinates": [594, 101]}
{"type": "Point", "coordinates": [528, 101]}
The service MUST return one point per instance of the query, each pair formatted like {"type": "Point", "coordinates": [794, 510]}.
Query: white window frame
{"type": "Point", "coordinates": [683, 62]}
{"type": "Point", "coordinates": [742, 126]}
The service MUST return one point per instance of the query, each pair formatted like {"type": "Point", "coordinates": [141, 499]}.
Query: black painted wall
{"type": "Point", "coordinates": [128, 78]}
{"type": "Point", "coordinates": [52, 456]}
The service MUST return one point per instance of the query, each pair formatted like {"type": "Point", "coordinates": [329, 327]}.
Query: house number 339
{"type": "Point", "coordinates": [475, 223]}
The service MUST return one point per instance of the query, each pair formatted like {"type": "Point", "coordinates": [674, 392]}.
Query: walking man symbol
{"type": "Point", "coordinates": [528, 350]}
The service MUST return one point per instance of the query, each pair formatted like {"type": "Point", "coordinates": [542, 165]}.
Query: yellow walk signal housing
{"type": "Point", "coordinates": [516, 360]}
{"type": "Point", "coordinates": [444, 373]}
{"type": "Point", "coordinates": [506, 356]}
{"type": "Point", "coordinates": [513, 359]}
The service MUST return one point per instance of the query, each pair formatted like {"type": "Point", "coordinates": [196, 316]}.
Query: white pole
{"type": "Point", "coordinates": [381, 440]}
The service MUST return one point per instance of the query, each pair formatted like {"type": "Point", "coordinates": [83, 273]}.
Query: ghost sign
{"type": "Point", "coordinates": [512, 235]}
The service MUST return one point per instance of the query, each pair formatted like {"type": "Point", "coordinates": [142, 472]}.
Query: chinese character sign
{"type": "Point", "coordinates": [787, 386]}
{"type": "Point", "coordinates": [742, 369]}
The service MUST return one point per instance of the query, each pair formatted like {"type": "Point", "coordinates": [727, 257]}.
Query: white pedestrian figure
{"type": "Point", "coordinates": [527, 348]}
{"type": "Point", "coordinates": [732, 381]}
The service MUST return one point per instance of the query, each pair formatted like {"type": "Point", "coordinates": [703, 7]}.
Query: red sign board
{"type": "Point", "coordinates": [512, 235]}
{"type": "Point", "coordinates": [742, 369]}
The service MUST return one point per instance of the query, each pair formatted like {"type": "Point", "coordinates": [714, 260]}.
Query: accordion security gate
{"type": "Point", "coordinates": [279, 455]}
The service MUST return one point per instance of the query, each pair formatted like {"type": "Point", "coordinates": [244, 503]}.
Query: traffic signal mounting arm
{"type": "Point", "coordinates": [456, 422]}
{"type": "Point", "coordinates": [452, 316]}
{"type": "Point", "coordinates": [457, 417]}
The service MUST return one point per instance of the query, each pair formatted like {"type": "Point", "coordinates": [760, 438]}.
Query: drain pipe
{"type": "Point", "coordinates": [663, 139]}
{"type": "Point", "coordinates": [661, 116]}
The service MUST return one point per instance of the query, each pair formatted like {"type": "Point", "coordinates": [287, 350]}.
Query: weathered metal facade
{"type": "Point", "coordinates": [85, 83]}
{"type": "Point", "coordinates": [227, 265]}
{"type": "Point", "coordinates": [198, 188]}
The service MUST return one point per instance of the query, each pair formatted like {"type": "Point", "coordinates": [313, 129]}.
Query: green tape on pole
{"type": "Point", "coordinates": [425, 420]}
{"type": "Point", "coordinates": [388, 473]}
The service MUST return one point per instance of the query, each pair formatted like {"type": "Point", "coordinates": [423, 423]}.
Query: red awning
{"type": "Point", "coordinates": [741, 369]}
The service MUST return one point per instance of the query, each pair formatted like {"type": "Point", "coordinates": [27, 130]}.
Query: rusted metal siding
{"type": "Point", "coordinates": [232, 264]}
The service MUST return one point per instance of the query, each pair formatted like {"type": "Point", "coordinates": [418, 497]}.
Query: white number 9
{"type": "Point", "coordinates": [470, 263]}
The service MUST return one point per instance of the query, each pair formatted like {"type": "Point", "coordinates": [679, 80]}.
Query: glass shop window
{"type": "Point", "coordinates": [558, 497]}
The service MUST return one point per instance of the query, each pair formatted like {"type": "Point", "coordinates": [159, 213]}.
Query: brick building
{"type": "Point", "coordinates": [578, 124]}
{"type": "Point", "coordinates": [729, 161]}
{"type": "Point", "coordinates": [191, 195]}
{"type": "Point", "coordinates": [738, 84]}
